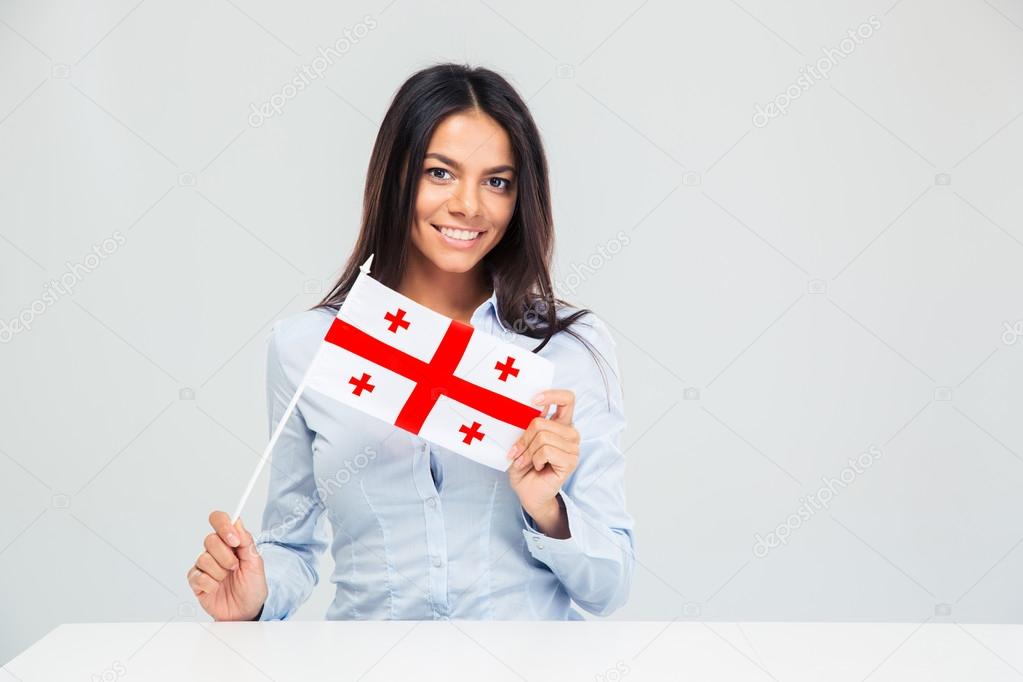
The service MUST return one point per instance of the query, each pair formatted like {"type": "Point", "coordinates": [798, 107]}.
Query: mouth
{"type": "Point", "coordinates": [457, 237]}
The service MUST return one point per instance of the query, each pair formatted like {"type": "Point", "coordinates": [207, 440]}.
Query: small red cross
{"type": "Point", "coordinates": [505, 368]}
{"type": "Point", "coordinates": [471, 432]}
{"type": "Point", "coordinates": [397, 320]}
{"type": "Point", "coordinates": [361, 384]}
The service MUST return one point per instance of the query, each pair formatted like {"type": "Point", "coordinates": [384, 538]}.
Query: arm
{"type": "Point", "coordinates": [584, 535]}
{"type": "Point", "coordinates": [289, 542]}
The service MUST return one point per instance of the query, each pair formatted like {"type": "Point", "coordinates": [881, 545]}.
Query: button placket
{"type": "Point", "coordinates": [436, 537]}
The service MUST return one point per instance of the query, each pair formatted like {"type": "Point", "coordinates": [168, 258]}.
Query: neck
{"type": "Point", "coordinates": [452, 294]}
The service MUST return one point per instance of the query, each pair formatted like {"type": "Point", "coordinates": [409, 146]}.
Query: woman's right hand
{"type": "Point", "coordinates": [228, 577]}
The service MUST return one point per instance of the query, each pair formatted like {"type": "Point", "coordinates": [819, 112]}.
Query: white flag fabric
{"type": "Point", "coordinates": [401, 362]}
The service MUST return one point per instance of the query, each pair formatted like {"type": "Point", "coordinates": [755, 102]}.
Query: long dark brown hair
{"type": "Point", "coordinates": [520, 263]}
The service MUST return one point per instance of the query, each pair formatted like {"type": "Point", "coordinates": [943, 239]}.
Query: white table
{"type": "Point", "coordinates": [496, 650]}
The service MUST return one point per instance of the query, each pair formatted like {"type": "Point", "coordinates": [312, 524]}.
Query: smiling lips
{"type": "Point", "coordinates": [458, 237]}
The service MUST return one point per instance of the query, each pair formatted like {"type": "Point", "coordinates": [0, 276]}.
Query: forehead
{"type": "Point", "coordinates": [473, 139]}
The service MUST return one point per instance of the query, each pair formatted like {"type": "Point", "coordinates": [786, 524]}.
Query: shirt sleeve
{"type": "Point", "coordinates": [289, 541]}
{"type": "Point", "coordinates": [595, 564]}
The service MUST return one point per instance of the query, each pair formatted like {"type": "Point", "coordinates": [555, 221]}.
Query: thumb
{"type": "Point", "coordinates": [563, 399]}
{"type": "Point", "coordinates": [248, 556]}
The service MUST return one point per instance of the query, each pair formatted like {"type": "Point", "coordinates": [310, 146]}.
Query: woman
{"type": "Point", "coordinates": [457, 212]}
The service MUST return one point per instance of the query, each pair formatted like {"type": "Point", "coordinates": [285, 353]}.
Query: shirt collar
{"type": "Point", "coordinates": [497, 311]}
{"type": "Point", "coordinates": [491, 304]}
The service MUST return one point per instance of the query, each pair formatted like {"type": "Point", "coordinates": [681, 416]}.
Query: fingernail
{"type": "Point", "coordinates": [233, 540]}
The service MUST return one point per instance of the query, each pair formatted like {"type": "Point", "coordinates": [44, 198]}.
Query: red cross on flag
{"type": "Point", "coordinates": [401, 362]}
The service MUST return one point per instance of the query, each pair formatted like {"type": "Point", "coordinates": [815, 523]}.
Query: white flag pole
{"type": "Point", "coordinates": [273, 441]}
{"type": "Point", "coordinates": [364, 268]}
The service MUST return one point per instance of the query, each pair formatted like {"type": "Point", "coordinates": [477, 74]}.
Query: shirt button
{"type": "Point", "coordinates": [432, 501]}
{"type": "Point", "coordinates": [539, 545]}
{"type": "Point", "coordinates": [436, 562]}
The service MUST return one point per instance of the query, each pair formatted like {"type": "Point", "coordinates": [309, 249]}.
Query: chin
{"type": "Point", "coordinates": [453, 263]}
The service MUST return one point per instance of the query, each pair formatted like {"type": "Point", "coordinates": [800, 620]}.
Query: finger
{"type": "Point", "coordinates": [566, 431]}
{"type": "Point", "coordinates": [221, 523]}
{"type": "Point", "coordinates": [192, 573]}
{"type": "Point", "coordinates": [553, 453]}
{"type": "Point", "coordinates": [539, 425]}
{"type": "Point", "coordinates": [247, 551]}
{"type": "Point", "coordinates": [547, 438]}
{"type": "Point", "coordinates": [522, 442]}
{"type": "Point", "coordinates": [208, 565]}
{"type": "Point", "coordinates": [520, 445]}
{"type": "Point", "coordinates": [515, 471]}
{"type": "Point", "coordinates": [563, 398]}
{"type": "Point", "coordinates": [223, 554]}
{"type": "Point", "coordinates": [202, 582]}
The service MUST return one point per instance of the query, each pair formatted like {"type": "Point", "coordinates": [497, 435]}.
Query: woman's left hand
{"type": "Point", "coordinates": [546, 454]}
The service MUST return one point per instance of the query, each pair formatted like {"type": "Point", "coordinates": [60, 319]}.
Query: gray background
{"type": "Point", "coordinates": [791, 294]}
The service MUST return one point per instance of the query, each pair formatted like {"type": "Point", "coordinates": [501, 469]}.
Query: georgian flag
{"type": "Point", "coordinates": [401, 362]}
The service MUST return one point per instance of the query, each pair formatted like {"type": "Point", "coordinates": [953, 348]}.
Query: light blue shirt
{"type": "Point", "coordinates": [418, 532]}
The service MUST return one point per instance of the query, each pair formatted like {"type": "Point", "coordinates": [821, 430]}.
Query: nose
{"type": "Point", "coordinates": [464, 201]}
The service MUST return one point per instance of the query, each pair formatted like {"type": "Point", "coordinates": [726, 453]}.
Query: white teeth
{"type": "Point", "coordinates": [464, 235]}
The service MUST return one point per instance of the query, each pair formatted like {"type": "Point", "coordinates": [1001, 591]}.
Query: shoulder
{"type": "Point", "coordinates": [301, 328]}
{"type": "Point", "coordinates": [294, 340]}
{"type": "Point", "coordinates": [589, 341]}
{"type": "Point", "coordinates": [586, 361]}
{"type": "Point", "coordinates": [589, 326]}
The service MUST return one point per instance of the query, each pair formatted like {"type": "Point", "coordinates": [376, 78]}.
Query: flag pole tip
{"type": "Point", "coordinates": [365, 266]}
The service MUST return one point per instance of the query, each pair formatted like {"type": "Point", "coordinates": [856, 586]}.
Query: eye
{"type": "Point", "coordinates": [430, 172]}
{"type": "Point", "coordinates": [505, 186]}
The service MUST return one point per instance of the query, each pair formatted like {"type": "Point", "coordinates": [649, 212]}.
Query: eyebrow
{"type": "Point", "coordinates": [455, 164]}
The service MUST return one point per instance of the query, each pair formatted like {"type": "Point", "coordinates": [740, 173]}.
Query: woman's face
{"type": "Point", "coordinates": [467, 191]}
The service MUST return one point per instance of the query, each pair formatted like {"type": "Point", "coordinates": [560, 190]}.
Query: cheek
{"type": "Point", "coordinates": [429, 200]}
{"type": "Point", "coordinates": [501, 211]}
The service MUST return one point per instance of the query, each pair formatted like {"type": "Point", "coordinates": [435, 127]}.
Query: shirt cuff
{"type": "Point", "coordinates": [545, 548]}
{"type": "Point", "coordinates": [272, 609]}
